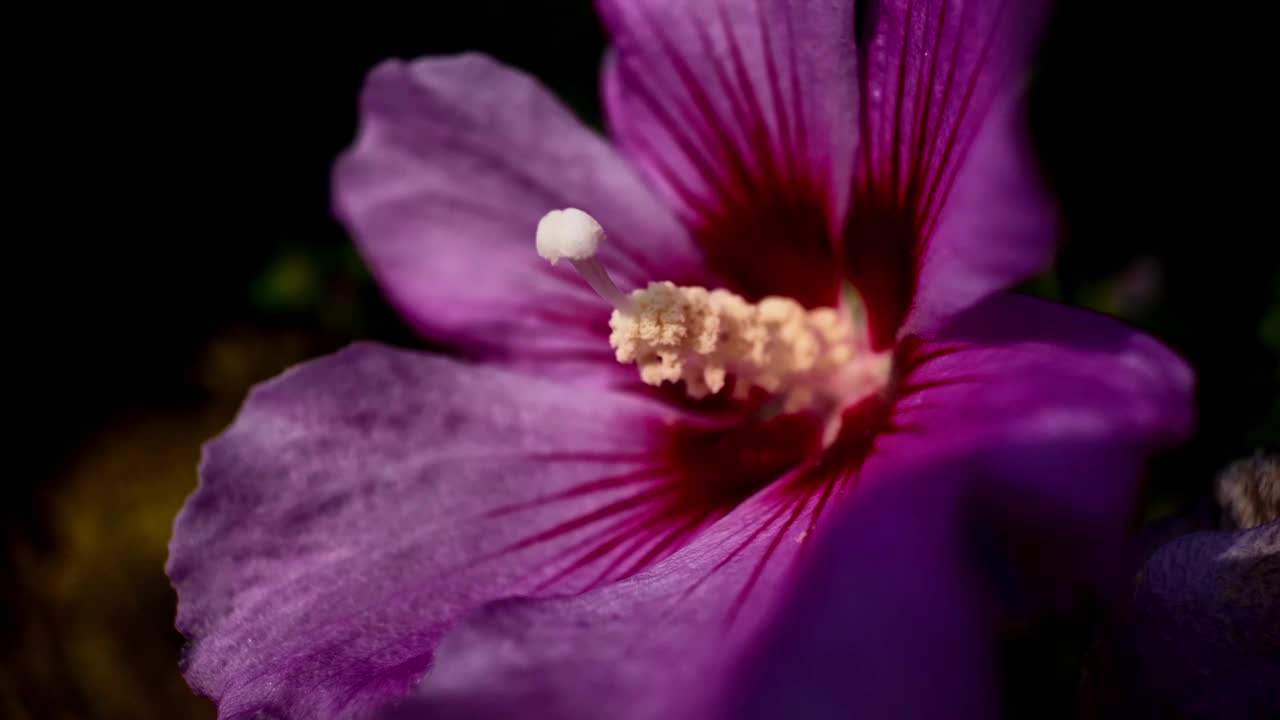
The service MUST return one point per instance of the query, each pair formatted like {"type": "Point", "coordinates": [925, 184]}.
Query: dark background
{"type": "Point", "coordinates": [182, 249]}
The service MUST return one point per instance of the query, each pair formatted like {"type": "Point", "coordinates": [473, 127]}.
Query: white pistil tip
{"type": "Point", "coordinates": [568, 233]}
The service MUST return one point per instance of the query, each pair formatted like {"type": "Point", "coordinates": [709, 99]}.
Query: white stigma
{"type": "Point", "coordinates": [573, 234]}
{"type": "Point", "coordinates": [568, 233]}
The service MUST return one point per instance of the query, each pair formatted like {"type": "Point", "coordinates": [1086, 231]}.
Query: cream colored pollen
{"type": "Point", "coordinates": [705, 336]}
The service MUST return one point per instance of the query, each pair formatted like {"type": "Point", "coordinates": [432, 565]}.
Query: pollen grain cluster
{"type": "Point", "coordinates": [705, 336]}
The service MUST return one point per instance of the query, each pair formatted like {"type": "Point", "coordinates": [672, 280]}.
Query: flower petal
{"type": "Point", "coordinates": [363, 501]}
{"type": "Point", "coordinates": [1058, 408]}
{"type": "Point", "coordinates": [947, 202]}
{"type": "Point", "coordinates": [1206, 626]}
{"type": "Point", "coordinates": [890, 603]}
{"type": "Point", "coordinates": [742, 113]}
{"type": "Point", "coordinates": [652, 646]}
{"type": "Point", "coordinates": [456, 161]}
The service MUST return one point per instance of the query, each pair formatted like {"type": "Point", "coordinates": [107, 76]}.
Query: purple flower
{"type": "Point", "coordinates": [549, 536]}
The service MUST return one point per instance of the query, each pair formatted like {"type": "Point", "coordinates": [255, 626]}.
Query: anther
{"type": "Point", "coordinates": [574, 235]}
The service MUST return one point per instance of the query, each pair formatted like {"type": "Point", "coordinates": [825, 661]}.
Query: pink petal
{"type": "Point", "coordinates": [742, 114]}
{"type": "Point", "coordinates": [889, 618]}
{"type": "Point", "coordinates": [362, 502]}
{"type": "Point", "coordinates": [456, 161]}
{"type": "Point", "coordinates": [947, 202]}
{"type": "Point", "coordinates": [1057, 411]}
{"type": "Point", "coordinates": [653, 646]}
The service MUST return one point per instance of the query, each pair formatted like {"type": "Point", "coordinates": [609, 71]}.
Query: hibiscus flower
{"type": "Point", "coordinates": [813, 236]}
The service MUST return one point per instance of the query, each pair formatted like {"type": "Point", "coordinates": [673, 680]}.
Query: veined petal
{"type": "Point", "coordinates": [1057, 409]}
{"type": "Point", "coordinates": [653, 646]}
{"type": "Point", "coordinates": [456, 161]}
{"type": "Point", "coordinates": [349, 514]}
{"type": "Point", "coordinates": [948, 204]}
{"type": "Point", "coordinates": [889, 617]}
{"type": "Point", "coordinates": [362, 502]}
{"type": "Point", "coordinates": [742, 114]}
